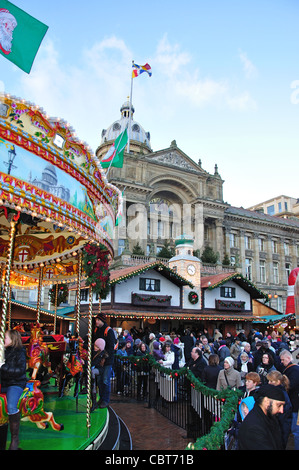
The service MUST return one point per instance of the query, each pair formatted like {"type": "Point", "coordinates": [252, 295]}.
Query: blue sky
{"type": "Point", "coordinates": [225, 82]}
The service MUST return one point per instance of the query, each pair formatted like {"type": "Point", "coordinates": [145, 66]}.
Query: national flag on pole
{"type": "Point", "coordinates": [20, 35]}
{"type": "Point", "coordinates": [115, 155]}
{"type": "Point", "coordinates": [139, 69]}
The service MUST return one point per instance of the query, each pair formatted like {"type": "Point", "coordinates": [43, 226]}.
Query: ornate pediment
{"type": "Point", "coordinates": [175, 159]}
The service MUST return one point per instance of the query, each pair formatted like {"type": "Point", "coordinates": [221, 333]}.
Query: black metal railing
{"type": "Point", "coordinates": [174, 394]}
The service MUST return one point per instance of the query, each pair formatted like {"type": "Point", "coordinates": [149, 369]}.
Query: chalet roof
{"type": "Point", "coordinates": [120, 275]}
{"type": "Point", "coordinates": [211, 282]}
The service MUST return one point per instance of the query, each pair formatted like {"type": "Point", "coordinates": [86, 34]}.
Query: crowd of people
{"type": "Point", "coordinates": [261, 365]}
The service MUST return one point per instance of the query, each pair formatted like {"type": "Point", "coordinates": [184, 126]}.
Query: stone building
{"type": "Point", "coordinates": [166, 194]}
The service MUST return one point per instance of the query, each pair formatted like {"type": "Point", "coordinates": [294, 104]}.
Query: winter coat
{"type": "Point", "coordinates": [257, 356]}
{"type": "Point", "coordinates": [168, 360]}
{"type": "Point", "coordinates": [285, 418]}
{"type": "Point", "coordinates": [177, 352]}
{"type": "Point", "coordinates": [143, 366]}
{"type": "Point", "coordinates": [235, 350]}
{"type": "Point", "coordinates": [223, 352]}
{"type": "Point", "coordinates": [263, 370]}
{"type": "Point", "coordinates": [244, 368]}
{"type": "Point", "coordinates": [188, 342]}
{"type": "Point", "coordinates": [210, 376]}
{"type": "Point", "coordinates": [110, 342]}
{"type": "Point", "coordinates": [13, 371]}
{"type": "Point", "coordinates": [259, 432]}
{"type": "Point", "coordinates": [292, 373]}
{"type": "Point", "coordinates": [157, 351]}
{"type": "Point", "coordinates": [233, 379]}
{"type": "Point", "coordinates": [98, 359]}
{"type": "Point", "coordinates": [197, 366]}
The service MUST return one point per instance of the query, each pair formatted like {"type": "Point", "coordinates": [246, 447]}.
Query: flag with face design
{"type": "Point", "coordinates": [20, 35]}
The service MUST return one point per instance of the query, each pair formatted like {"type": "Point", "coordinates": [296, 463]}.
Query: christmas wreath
{"type": "Point", "coordinates": [62, 294]}
{"type": "Point", "coordinates": [96, 267]}
{"type": "Point", "coordinates": [193, 297]}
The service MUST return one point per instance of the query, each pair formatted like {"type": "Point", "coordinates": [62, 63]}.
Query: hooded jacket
{"type": "Point", "coordinates": [157, 352]}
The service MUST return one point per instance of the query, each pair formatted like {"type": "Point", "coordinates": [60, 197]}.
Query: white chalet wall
{"type": "Point", "coordinates": [124, 290]}
{"type": "Point", "coordinates": [241, 295]}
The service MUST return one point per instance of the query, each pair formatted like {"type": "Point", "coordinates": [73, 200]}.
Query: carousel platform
{"type": "Point", "coordinates": [107, 431]}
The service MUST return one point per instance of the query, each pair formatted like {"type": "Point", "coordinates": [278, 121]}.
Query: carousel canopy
{"type": "Point", "coordinates": [55, 191]}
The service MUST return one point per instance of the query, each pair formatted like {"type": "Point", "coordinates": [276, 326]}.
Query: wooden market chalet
{"type": "Point", "coordinates": [164, 296]}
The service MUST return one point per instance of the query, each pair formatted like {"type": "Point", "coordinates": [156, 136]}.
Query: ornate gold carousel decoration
{"type": "Point", "coordinates": [54, 202]}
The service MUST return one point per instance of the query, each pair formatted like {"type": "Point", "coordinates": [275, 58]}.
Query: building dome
{"type": "Point", "coordinates": [184, 249]}
{"type": "Point", "coordinates": [138, 134]}
{"type": "Point", "coordinates": [49, 174]}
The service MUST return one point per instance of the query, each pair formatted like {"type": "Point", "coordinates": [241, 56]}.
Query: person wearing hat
{"type": "Point", "coordinates": [228, 376]}
{"type": "Point", "coordinates": [97, 362]}
{"type": "Point", "coordinates": [260, 429]}
{"type": "Point", "coordinates": [103, 331]}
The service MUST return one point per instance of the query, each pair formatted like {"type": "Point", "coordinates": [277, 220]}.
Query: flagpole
{"type": "Point", "coordinates": [130, 111]}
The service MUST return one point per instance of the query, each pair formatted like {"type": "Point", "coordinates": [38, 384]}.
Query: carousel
{"type": "Point", "coordinates": [57, 210]}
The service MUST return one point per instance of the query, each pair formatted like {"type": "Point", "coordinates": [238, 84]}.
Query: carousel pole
{"type": "Point", "coordinates": [40, 283]}
{"type": "Point", "coordinates": [88, 404]}
{"type": "Point", "coordinates": [9, 309]}
{"type": "Point", "coordinates": [55, 308]}
{"type": "Point", "coordinates": [6, 286]}
{"type": "Point", "coordinates": [78, 303]}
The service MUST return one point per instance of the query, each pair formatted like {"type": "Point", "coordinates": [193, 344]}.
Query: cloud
{"type": "Point", "coordinates": [89, 90]}
{"type": "Point", "coordinates": [249, 69]}
{"type": "Point", "coordinates": [184, 80]}
{"type": "Point", "coordinates": [82, 92]}
{"type": "Point", "coordinates": [169, 59]}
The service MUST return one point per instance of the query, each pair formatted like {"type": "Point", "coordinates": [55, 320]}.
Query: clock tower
{"type": "Point", "coordinates": [188, 266]}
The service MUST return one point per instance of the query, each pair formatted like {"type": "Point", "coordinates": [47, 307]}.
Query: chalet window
{"type": "Point", "coordinates": [84, 295]}
{"type": "Point", "coordinates": [228, 292]}
{"type": "Point", "coordinates": [152, 285]}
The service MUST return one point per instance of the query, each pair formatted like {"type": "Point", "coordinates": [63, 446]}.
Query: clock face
{"type": "Point", "coordinates": [191, 269]}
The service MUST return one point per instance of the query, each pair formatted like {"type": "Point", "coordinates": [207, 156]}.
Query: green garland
{"type": "Point", "coordinates": [152, 297]}
{"type": "Point", "coordinates": [96, 267]}
{"type": "Point", "coordinates": [213, 440]}
{"type": "Point", "coordinates": [62, 294]}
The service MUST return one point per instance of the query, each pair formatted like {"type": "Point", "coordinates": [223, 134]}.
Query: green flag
{"type": "Point", "coordinates": [20, 35]}
{"type": "Point", "coordinates": [115, 155]}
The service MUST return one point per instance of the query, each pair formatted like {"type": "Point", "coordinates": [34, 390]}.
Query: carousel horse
{"type": "Point", "coordinates": [31, 406]}
{"type": "Point", "coordinates": [73, 368]}
{"type": "Point", "coordinates": [37, 352]}
{"type": "Point", "coordinates": [19, 328]}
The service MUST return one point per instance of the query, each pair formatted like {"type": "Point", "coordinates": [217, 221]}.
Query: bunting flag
{"type": "Point", "coordinates": [115, 155]}
{"type": "Point", "coordinates": [139, 69]}
{"type": "Point", "coordinates": [20, 35]}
